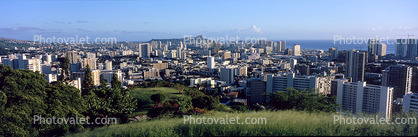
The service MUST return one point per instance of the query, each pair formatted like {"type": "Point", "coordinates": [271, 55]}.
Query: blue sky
{"type": "Point", "coordinates": [275, 20]}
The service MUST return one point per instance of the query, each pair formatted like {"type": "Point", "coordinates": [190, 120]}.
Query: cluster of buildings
{"type": "Point", "coordinates": [244, 72]}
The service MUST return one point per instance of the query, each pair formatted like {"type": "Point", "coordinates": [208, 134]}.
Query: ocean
{"type": "Point", "coordinates": [326, 44]}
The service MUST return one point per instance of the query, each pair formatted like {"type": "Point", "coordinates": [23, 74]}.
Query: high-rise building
{"type": "Point", "coordinates": [333, 52]}
{"type": "Point", "coordinates": [293, 62]}
{"type": "Point", "coordinates": [376, 48]}
{"type": "Point", "coordinates": [381, 49]}
{"type": "Point", "coordinates": [334, 85]}
{"type": "Point", "coordinates": [108, 65]}
{"type": "Point", "coordinates": [410, 102]}
{"type": "Point", "coordinates": [399, 77]}
{"type": "Point", "coordinates": [91, 62]}
{"type": "Point", "coordinates": [256, 91]}
{"type": "Point", "coordinates": [359, 97]}
{"type": "Point", "coordinates": [302, 69]}
{"type": "Point", "coordinates": [296, 50]}
{"type": "Point", "coordinates": [210, 61]}
{"type": "Point", "coordinates": [281, 82]}
{"type": "Point", "coordinates": [241, 71]}
{"type": "Point", "coordinates": [95, 75]}
{"type": "Point", "coordinates": [47, 59]}
{"type": "Point", "coordinates": [227, 74]}
{"type": "Point", "coordinates": [411, 48]}
{"type": "Point", "coordinates": [179, 52]}
{"type": "Point", "coordinates": [372, 46]}
{"type": "Point", "coordinates": [279, 46]}
{"type": "Point", "coordinates": [144, 50]}
{"type": "Point", "coordinates": [401, 47]}
{"type": "Point", "coordinates": [73, 56]}
{"type": "Point", "coordinates": [355, 63]}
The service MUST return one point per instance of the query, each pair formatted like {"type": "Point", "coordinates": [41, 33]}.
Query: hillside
{"type": "Point", "coordinates": [280, 123]}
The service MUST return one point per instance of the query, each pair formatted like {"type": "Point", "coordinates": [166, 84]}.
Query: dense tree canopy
{"type": "Point", "coordinates": [24, 94]}
{"type": "Point", "coordinates": [302, 100]}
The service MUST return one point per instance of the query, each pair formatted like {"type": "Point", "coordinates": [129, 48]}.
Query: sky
{"type": "Point", "coordinates": [129, 20]}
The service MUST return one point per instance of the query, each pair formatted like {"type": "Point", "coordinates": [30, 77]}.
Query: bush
{"type": "Point", "coordinates": [206, 102]}
{"type": "Point", "coordinates": [175, 107]}
{"type": "Point", "coordinates": [159, 97]}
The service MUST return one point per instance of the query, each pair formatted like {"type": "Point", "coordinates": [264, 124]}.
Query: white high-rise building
{"type": "Point", "coordinates": [293, 62]}
{"type": "Point", "coordinates": [381, 49]}
{"type": "Point", "coordinates": [108, 65]}
{"type": "Point", "coordinates": [362, 98]}
{"type": "Point", "coordinates": [281, 82]}
{"type": "Point", "coordinates": [210, 62]}
{"type": "Point", "coordinates": [296, 50]}
{"type": "Point", "coordinates": [410, 102]}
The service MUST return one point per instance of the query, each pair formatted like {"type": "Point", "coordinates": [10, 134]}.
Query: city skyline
{"type": "Point", "coordinates": [145, 20]}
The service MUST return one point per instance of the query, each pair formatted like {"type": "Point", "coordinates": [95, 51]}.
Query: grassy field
{"type": "Point", "coordinates": [144, 97]}
{"type": "Point", "coordinates": [280, 123]}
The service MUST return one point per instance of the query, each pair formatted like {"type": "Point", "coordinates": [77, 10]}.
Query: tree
{"type": "Point", "coordinates": [87, 85]}
{"type": "Point", "coordinates": [302, 100]}
{"type": "Point", "coordinates": [115, 81]}
{"type": "Point", "coordinates": [65, 65]}
{"type": "Point", "coordinates": [25, 94]}
{"type": "Point", "coordinates": [110, 102]}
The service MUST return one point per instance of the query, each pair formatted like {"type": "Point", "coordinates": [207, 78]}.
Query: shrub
{"type": "Point", "coordinates": [206, 102]}
{"type": "Point", "coordinates": [159, 97]}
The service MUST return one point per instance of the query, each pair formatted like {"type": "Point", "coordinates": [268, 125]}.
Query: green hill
{"type": "Point", "coordinates": [279, 123]}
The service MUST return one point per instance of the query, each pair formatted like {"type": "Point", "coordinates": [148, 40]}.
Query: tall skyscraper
{"type": "Point", "coordinates": [210, 61]}
{"type": "Point", "coordinates": [333, 52]}
{"type": "Point", "coordinates": [411, 48]}
{"type": "Point", "coordinates": [73, 56]}
{"type": "Point", "coordinates": [372, 46]}
{"type": "Point", "coordinates": [227, 74]}
{"type": "Point", "coordinates": [279, 46]}
{"type": "Point", "coordinates": [355, 63]}
{"type": "Point", "coordinates": [401, 47]}
{"type": "Point", "coordinates": [282, 45]}
{"type": "Point", "coordinates": [381, 49]}
{"type": "Point", "coordinates": [376, 48]}
{"type": "Point", "coordinates": [144, 50]}
{"type": "Point", "coordinates": [296, 50]}
{"type": "Point", "coordinates": [399, 77]}
{"type": "Point", "coordinates": [359, 97]}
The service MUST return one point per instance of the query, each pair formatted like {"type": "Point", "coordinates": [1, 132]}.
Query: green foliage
{"type": "Point", "coordinates": [302, 100]}
{"type": "Point", "coordinates": [65, 65]}
{"type": "Point", "coordinates": [175, 107]}
{"type": "Point", "coordinates": [115, 81]}
{"type": "Point", "coordinates": [279, 123]}
{"type": "Point", "coordinates": [87, 84]}
{"type": "Point", "coordinates": [26, 94]}
{"type": "Point", "coordinates": [110, 102]}
{"type": "Point", "coordinates": [239, 108]}
{"type": "Point", "coordinates": [206, 102]}
{"type": "Point", "coordinates": [159, 97]}
{"type": "Point", "coordinates": [3, 100]}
